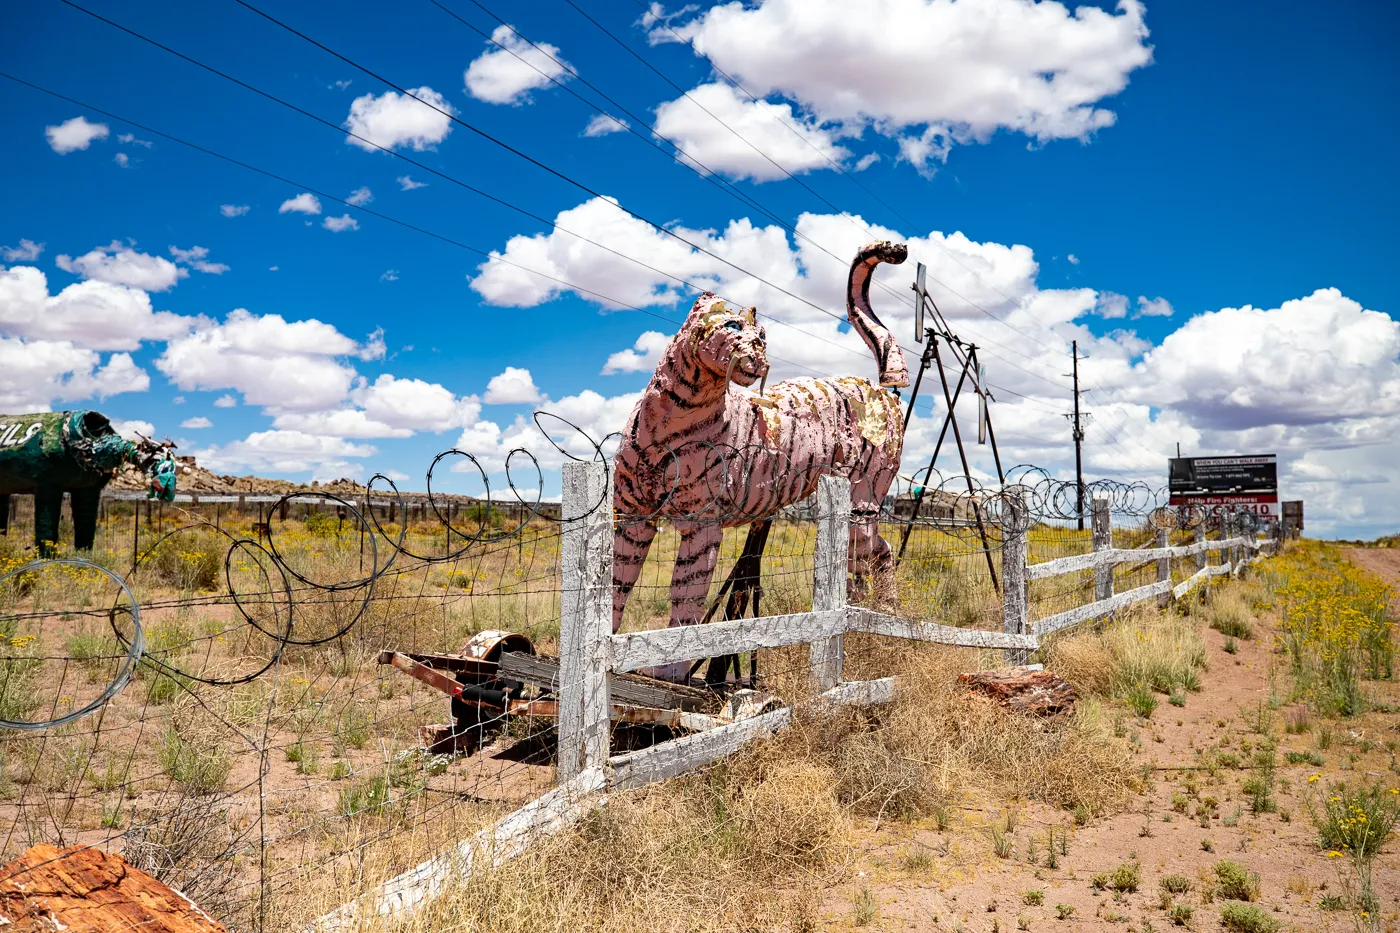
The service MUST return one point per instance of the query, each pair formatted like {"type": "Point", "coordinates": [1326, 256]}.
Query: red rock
{"type": "Point", "coordinates": [84, 890]}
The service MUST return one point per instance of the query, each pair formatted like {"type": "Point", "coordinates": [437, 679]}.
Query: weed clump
{"type": "Point", "coordinates": [1247, 918]}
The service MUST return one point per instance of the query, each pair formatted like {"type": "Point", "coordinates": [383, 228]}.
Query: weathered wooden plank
{"type": "Point", "coordinates": [1099, 608]}
{"type": "Point", "coordinates": [1015, 587]}
{"type": "Point", "coordinates": [585, 560]}
{"type": "Point", "coordinates": [1164, 567]}
{"type": "Point", "coordinates": [833, 496]}
{"type": "Point", "coordinates": [1103, 541]}
{"type": "Point", "coordinates": [1078, 562]}
{"type": "Point", "coordinates": [490, 847]}
{"type": "Point", "coordinates": [679, 756]}
{"type": "Point", "coordinates": [634, 650]}
{"type": "Point", "coordinates": [543, 672]}
{"type": "Point", "coordinates": [879, 623]}
{"type": "Point", "coordinates": [1200, 576]}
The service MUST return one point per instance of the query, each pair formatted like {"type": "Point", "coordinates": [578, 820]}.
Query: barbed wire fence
{"type": "Point", "coordinates": [217, 711]}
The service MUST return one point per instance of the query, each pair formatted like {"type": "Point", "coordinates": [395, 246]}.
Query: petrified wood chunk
{"type": "Point", "coordinates": [84, 890]}
{"type": "Point", "coordinates": [1038, 692]}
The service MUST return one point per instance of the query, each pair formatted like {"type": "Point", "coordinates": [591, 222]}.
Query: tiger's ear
{"type": "Point", "coordinates": [751, 315]}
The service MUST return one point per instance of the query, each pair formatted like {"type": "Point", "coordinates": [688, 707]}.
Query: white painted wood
{"type": "Point", "coordinates": [1164, 566]}
{"type": "Point", "coordinates": [634, 650]}
{"type": "Point", "coordinates": [879, 623]}
{"type": "Point", "coordinates": [1078, 562]}
{"type": "Point", "coordinates": [1103, 541]}
{"type": "Point", "coordinates": [1015, 592]}
{"type": "Point", "coordinates": [833, 508]}
{"type": "Point", "coordinates": [1199, 577]}
{"type": "Point", "coordinates": [1097, 609]}
{"type": "Point", "coordinates": [680, 756]}
{"type": "Point", "coordinates": [490, 847]}
{"type": "Point", "coordinates": [586, 618]}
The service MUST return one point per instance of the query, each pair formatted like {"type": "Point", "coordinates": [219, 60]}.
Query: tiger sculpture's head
{"type": "Point", "coordinates": [727, 342]}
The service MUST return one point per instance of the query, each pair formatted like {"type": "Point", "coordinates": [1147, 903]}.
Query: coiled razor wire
{"type": "Point", "coordinates": [691, 482]}
{"type": "Point", "coordinates": [136, 645]}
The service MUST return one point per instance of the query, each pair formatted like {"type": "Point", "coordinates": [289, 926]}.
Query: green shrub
{"type": "Point", "coordinates": [1175, 884]}
{"type": "Point", "coordinates": [1247, 918]}
{"type": "Point", "coordinates": [199, 770]}
{"type": "Point", "coordinates": [1233, 882]}
{"type": "Point", "coordinates": [1358, 820]}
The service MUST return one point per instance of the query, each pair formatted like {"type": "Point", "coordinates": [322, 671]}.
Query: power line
{"type": "Point", "coordinates": [445, 176]}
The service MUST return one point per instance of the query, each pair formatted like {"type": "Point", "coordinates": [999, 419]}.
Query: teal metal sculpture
{"type": "Point", "coordinates": [77, 452]}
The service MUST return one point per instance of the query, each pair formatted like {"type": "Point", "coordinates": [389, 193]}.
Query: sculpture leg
{"type": "Point", "coordinates": [5, 514]}
{"type": "Point", "coordinates": [84, 503]}
{"type": "Point", "coordinates": [48, 502]}
{"type": "Point", "coordinates": [630, 545]}
{"type": "Point", "coordinates": [690, 585]}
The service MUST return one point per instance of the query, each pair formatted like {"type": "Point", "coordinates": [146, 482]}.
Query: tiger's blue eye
{"type": "Point", "coordinates": [733, 325]}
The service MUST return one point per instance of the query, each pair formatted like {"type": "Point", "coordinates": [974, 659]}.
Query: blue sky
{"type": "Point", "coordinates": [1065, 170]}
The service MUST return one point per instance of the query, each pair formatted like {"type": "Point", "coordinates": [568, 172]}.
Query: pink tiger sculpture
{"type": "Point", "coordinates": [708, 455]}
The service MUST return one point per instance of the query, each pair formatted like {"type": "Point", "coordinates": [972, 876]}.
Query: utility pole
{"type": "Point", "coordinates": [1078, 435]}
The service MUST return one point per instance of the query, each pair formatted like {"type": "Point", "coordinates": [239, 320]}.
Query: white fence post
{"type": "Point", "coordinates": [829, 573]}
{"type": "Point", "coordinates": [1103, 540]}
{"type": "Point", "coordinates": [585, 623]}
{"type": "Point", "coordinates": [1015, 585]}
{"type": "Point", "coordinates": [1164, 566]}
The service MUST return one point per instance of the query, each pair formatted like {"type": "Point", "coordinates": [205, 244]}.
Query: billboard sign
{"type": "Point", "coordinates": [1248, 483]}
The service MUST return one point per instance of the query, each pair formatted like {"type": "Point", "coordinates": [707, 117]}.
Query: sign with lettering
{"type": "Point", "coordinates": [18, 433]}
{"type": "Point", "coordinates": [1249, 483]}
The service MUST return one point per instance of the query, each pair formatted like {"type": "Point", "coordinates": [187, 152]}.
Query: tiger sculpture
{"type": "Point", "coordinates": [708, 455]}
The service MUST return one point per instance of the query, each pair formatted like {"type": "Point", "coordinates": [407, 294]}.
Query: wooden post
{"type": "Point", "coordinates": [1015, 586]}
{"type": "Point", "coordinates": [833, 511]}
{"type": "Point", "coordinates": [585, 624]}
{"type": "Point", "coordinates": [1164, 566]}
{"type": "Point", "coordinates": [1103, 540]}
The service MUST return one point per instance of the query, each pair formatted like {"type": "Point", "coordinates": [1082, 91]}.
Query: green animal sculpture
{"type": "Point", "coordinates": [77, 452]}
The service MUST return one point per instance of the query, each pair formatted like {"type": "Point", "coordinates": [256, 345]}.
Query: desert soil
{"type": "Point", "coordinates": [922, 879]}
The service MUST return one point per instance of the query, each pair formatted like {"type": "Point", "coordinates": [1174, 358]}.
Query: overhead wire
{"type": "Point", "coordinates": [445, 176]}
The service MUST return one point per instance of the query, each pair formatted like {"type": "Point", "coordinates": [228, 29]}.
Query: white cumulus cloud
{"type": "Point", "coordinates": [514, 386]}
{"type": "Point", "coordinates": [513, 68]}
{"type": "Point", "coordinates": [419, 120]}
{"type": "Point", "coordinates": [121, 265]}
{"type": "Point", "coordinates": [26, 251]}
{"type": "Point", "coordinates": [406, 183]}
{"type": "Point", "coordinates": [197, 258]}
{"type": "Point", "coordinates": [94, 315]}
{"type": "Point", "coordinates": [196, 423]}
{"type": "Point", "coordinates": [234, 210]}
{"type": "Point", "coordinates": [34, 374]}
{"type": "Point", "coordinates": [1153, 307]}
{"type": "Point", "coordinates": [72, 135]}
{"type": "Point", "coordinates": [932, 71]}
{"type": "Point", "coordinates": [304, 203]}
{"type": "Point", "coordinates": [642, 357]}
{"type": "Point", "coordinates": [361, 195]}
{"type": "Point", "coordinates": [602, 124]}
{"type": "Point", "coordinates": [716, 128]}
{"type": "Point", "coordinates": [282, 452]}
{"type": "Point", "coordinates": [341, 223]}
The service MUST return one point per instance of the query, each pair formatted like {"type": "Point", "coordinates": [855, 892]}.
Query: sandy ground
{"type": "Point", "coordinates": [958, 883]}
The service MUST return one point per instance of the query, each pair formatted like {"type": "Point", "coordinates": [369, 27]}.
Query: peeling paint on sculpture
{"type": "Point", "coordinates": [708, 455]}
{"type": "Point", "coordinates": [77, 452]}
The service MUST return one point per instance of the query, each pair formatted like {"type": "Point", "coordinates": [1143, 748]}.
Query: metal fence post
{"type": "Point", "coordinates": [833, 513]}
{"type": "Point", "coordinates": [1103, 541]}
{"type": "Point", "coordinates": [1164, 566]}
{"type": "Point", "coordinates": [1015, 585]}
{"type": "Point", "coordinates": [585, 619]}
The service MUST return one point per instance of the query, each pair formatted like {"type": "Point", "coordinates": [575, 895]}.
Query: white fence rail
{"type": "Point", "coordinates": [590, 654]}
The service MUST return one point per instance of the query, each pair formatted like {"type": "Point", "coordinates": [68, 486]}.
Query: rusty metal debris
{"type": "Point", "coordinates": [497, 677]}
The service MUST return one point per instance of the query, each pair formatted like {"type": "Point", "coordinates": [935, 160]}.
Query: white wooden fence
{"type": "Point", "coordinates": [590, 653]}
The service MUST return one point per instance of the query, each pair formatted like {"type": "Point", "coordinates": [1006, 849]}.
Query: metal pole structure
{"type": "Point", "coordinates": [987, 414]}
{"type": "Point", "coordinates": [919, 495]}
{"type": "Point", "coordinates": [967, 472]}
{"type": "Point", "coordinates": [1078, 440]}
{"type": "Point", "coordinates": [924, 360]}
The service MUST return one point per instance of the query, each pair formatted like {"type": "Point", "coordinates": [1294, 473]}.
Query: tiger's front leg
{"type": "Point", "coordinates": [690, 585]}
{"type": "Point", "coordinates": [631, 542]}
